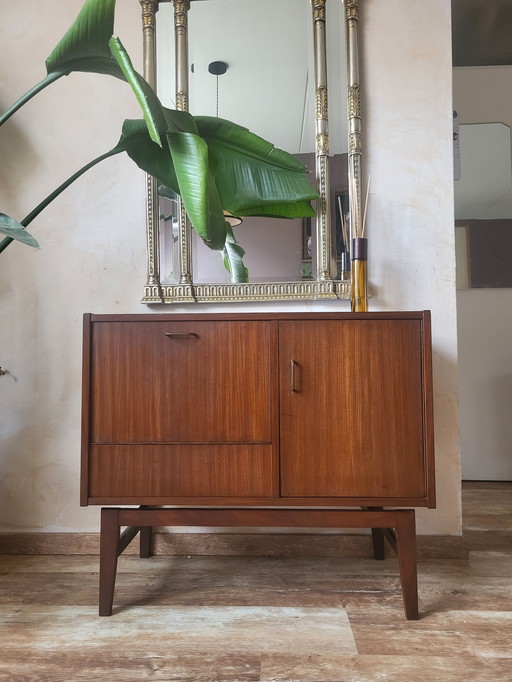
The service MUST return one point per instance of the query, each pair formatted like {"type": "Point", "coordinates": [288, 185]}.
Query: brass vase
{"type": "Point", "coordinates": [359, 275]}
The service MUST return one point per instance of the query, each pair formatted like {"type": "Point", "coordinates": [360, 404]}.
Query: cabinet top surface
{"type": "Point", "coordinates": [166, 317]}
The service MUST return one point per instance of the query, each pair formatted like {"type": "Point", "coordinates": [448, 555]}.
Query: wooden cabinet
{"type": "Point", "coordinates": [241, 411]}
{"type": "Point", "coordinates": [279, 407]}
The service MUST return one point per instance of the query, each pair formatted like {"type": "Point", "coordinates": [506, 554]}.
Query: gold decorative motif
{"type": "Point", "coordinates": [323, 244]}
{"type": "Point", "coordinates": [321, 102]}
{"type": "Point", "coordinates": [184, 231]}
{"type": "Point", "coordinates": [182, 101]}
{"type": "Point", "coordinates": [318, 10]}
{"type": "Point", "coordinates": [352, 10]}
{"type": "Point", "coordinates": [354, 143]}
{"type": "Point", "coordinates": [356, 171]}
{"type": "Point", "coordinates": [149, 190]}
{"type": "Point", "coordinates": [354, 101]}
{"type": "Point", "coordinates": [227, 293]}
{"type": "Point", "coordinates": [322, 143]}
{"type": "Point", "coordinates": [181, 7]}
{"type": "Point", "coordinates": [152, 232]}
{"type": "Point", "coordinates": [149, 9]}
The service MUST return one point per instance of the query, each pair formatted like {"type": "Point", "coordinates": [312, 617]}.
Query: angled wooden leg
{"type": "Point", "coordinates": [109, 551]}
{"type": "Point", "coordinates": [146, 533]}
{"type": "Point", "coordinates": [406, 550]}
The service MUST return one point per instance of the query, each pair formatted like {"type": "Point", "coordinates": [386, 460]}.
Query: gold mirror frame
{"type": "Point", "coordinates": [325, 286]}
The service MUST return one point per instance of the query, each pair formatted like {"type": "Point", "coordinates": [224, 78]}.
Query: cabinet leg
{"type": "Point", "coordinates": [378, 543]}
{"type": "Point", "coordinates": [377, 537]}
{"type": "Point", "coordinates": [109, 550]}
{"type": "Point", "coordinates": [406, 550]}
{"type": "Point", "coordinates": [146, 533]}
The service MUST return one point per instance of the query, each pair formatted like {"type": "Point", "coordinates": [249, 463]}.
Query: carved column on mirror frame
{"type": "Point", "coordinates": [354, 117]}
{"type": "Point", "coordinates": [149, 9]}
{"type": "Point", "coordinates": [181, 8]}
{"type": "Point", "coordinates": [326, 256]}
{"type": "Point", "coordinates": [359, 266]}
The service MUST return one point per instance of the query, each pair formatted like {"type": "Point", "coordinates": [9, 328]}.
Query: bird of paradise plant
{"type": "Point", "coordinates": [216, 166]}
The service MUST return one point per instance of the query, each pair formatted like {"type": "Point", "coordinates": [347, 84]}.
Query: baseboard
{"type": "Point", "coordinates": [235, 544]}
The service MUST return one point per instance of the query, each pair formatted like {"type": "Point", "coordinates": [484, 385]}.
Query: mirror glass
{"type": "Point", "coordinates": [268, 86]}
{"type": "Point", "coordinates": [483, 205]}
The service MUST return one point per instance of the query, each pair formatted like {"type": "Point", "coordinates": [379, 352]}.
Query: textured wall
{"type": "Point", "coordinates": [92, 257]}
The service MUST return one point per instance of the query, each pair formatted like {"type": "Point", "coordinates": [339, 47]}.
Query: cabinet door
{"type": "Point", "coordinates": [351, 408]}
{"type": "Point", "coordinates": [182, 382]}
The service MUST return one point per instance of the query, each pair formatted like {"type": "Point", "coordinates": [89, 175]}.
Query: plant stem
{"type": "Point", "coordinates": [50, 78]}
{"type": "Point", "coordinates": [37, 210]}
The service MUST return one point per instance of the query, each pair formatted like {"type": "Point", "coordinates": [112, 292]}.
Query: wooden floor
{"type": "Point", "coordinates": [267, 618]}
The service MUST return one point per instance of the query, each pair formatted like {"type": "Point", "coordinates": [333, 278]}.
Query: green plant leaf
{"type": "Point", "coordinates": [14, 230]}
{"type": "Point", "coordinates": [254, 177]}
{"type": "Point", "coordinates": [179, 121]}
{"type": "Point", "coordinates": [233, 254]}
{"type": "Point", "coordinates": [183, 165]}
{"type": "Point", "coordinates": [295, 209]}
{"type": "Point", "coordinates": [151, 108]}
{"type": "Point", "coordinates": [195, 172]}
{"type": "Point", "coordinates": [148, 156]}
{"type": "Point", "coordinates": [84, 47]}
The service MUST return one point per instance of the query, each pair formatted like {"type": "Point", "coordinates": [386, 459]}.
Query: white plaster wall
{"type": "Point", "coordinates": [92, 257]}
{"type": "Point", "coordinates": [482, 95]}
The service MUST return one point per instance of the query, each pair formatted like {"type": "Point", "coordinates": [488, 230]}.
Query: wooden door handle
{"type": "Point", "coordinates": [171, 334]}
{"type": "Point", "coordinates": [293, 364]}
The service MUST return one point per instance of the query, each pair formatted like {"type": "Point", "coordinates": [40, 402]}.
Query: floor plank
{"type": "Point", "coordinates": [267, 618]}
{"type": "Point", "coordinates": [187, 630]}
{"type": "Point", "coordinates": [370, 668]}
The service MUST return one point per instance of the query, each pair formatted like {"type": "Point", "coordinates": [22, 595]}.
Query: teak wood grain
{"type": "Point", "coordinates": [181, 382]}
{"type": "Point", "coordinates": [183, 406]}
{"type": "Point", "coordinates": [353, 425]}
{"type": "Point", "coordinates": [200, 470]}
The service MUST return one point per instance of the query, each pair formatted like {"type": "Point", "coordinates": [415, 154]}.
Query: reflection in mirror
{"type": "Point", "coordinates": [266, 82]}
{"type": "Point", "coordinates": [483, 206]}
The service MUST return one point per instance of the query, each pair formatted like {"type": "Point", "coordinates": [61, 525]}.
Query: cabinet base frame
{"type": "Point", "coordinates": [395, 525]}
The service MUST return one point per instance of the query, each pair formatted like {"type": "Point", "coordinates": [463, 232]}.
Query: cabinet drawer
{"type": "Point", "coordinates": [182, 382]}
{"type": "Point", "coordinates": [118, 471]}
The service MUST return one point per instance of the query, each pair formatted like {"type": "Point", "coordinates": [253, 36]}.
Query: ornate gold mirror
{"type": "Point", "coordinates": [265, 66]}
